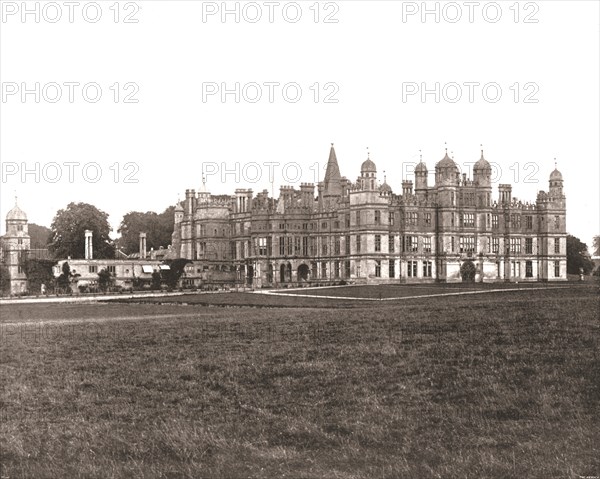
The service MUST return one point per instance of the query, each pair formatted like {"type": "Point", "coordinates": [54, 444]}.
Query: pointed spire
{"type": "Point", "coordinates": [332, 181]}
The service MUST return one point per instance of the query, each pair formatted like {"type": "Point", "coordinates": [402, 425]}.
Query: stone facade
{"type": "Point", "coordinates": [364, 232]}
{"type": "Point", "coordinates": [14, 248]}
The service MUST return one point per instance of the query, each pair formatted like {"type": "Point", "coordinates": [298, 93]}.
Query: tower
{"type": "Point", "coordinates": [16, 244]}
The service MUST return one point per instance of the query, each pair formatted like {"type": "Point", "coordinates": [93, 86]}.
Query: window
{"type": "Point", "coordinates": [19, 227]}
{"type": "Point", "coordinates": [358, 245]}
{"type": "Point", "coordinates": [112, 269]}
{"type": "Point", "coordinates": [427, 269]}
{"type": "Point", "coordinates": [392, 269]}
{"type": "Point", "coordinates": [427, 219]}
{"type": "Point", "coordinates": [20, 241]}
{"type": "Point", "coordinates": [378, 269]}
{"type": "Point", "coordinates": [556, 245]}
{"type": "Point", "coordinates": [557, 222]}
{"type": "Point", "coordinates": [324, 270]}
{"type": "Point", "coordinates": [529, 222]}
{"type": "Point", "coordinates": [262, 246]}
{"type": "Point", "coordinates": [347, 245]}
{"type": "Point", "coordinates": [495, 245]}
{"type": "Point", "coordinates": [290, 245]}
{"type": "Point", "coordinates": [427, 244]}
{"type": "Point", "coordinates": [336, 246]}
{"type": "Point", "coordinates": [528, 245]}
{"type": "Point", "coordinates": [452, 244]}
{"type": "Point", "coordinates": [528, 269]}
{"type": "Point", "coordinates": [358, 218]}
{"type": "Point", "coordinates": [515, 221]}
{"type": "Point", "coordinates": [411, 244]}
{"type": "Point", "coordinates": [412, 219]}
{"type": "Point", "coordinates": [336, 270]}
{"type": "Point", "coordinates": [347, 269]}
{"type": "Point", "coordinates": [92, 268]}
{"type": "Point", "coordinates": [377, 217]}
{"type": "Point", "coordinates": [391, 244]}
{"type": "Point", "coordinates": [495, 221]}
{"type": "Point", "coordinates": [348, 221]}
{"type": "Point", "coordinates": [269, 246]}
{"type": "Point", "coordinates": [391, 219]}
{"type": "Point", "coordinates": [305, 246]}
{"type": "Point", "coordinates": [467, 244]}
{"type": "Point", "coordinates": [377, 243]}
{"type": "Point", "coordinates": [411, 269]}
{"type": "Point", "coordinates": [324, 245]}
{"type": "Point", "coordinates": [515, 245]}
{"type": "Point", "coordinates": [282, 245]}
{"type": "Point", "coordinates": [557, 269]}
{"type": "Point", "coordinates": [467, 220]}
{"type": "Point", "coordinates": [336, 225]}
{"type": "Point", "coordinates": [297, 245]}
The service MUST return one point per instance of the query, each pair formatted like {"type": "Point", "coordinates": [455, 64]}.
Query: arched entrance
{"type": "Point", "coordinates": [288, 271]}
{"type": "Point", "coordinates": [250, 275]}
{"type": "Point", "coordinates": [468, 271]}
{"type": "Point", "coordinates": [303, 272]}
{"type": "Point", "coordinates": [282, 273]}
{"type": "Point", "coordinates": [269, 273]}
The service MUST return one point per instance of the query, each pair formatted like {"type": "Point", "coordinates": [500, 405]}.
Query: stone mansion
{"type": "Point", "coordinates": [364, 232]}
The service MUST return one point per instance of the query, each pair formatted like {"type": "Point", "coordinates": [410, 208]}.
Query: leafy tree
{"type": "Point", "coordinates": [64, 280]}
{"type": "Point", "coordinates": [156, 280]}
{"type": "Point", "coordinates": [40, 235]}
{"type": "Point", "coordinates": [578, 256]}
{"type": "Point", "coordinates": [38, 272]}
{"type": "Point", "coordinates": [158, 229]}
{"type": "Point", "coordinates": [105, 279]}
{"type": "Point", "coordinates": [171, 276]}
{"type": "Point", "coordinates": [68, 232]}
{"type": "Point", "coordinates": [4, 280]}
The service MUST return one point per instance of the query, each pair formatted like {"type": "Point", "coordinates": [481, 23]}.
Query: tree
{"type": "Point", "coordinates": [38, 272]}
{"type": "Point", "coordinates": [176, 267]}
{"type": "Point", "coordinates": [4, 280]}
{"type": "Point", "coordinates": [64, 280]}
{"type": "Point", "coordinates": [68, 232]}
{"type": "Point", "coordinates": [158, 229]}
{"type": "Point", "coordinates": [104, 279]}
{"type": "Point", "coordinates": [578, 256]}
{"type": "Point", "coordinates": [40, 235]}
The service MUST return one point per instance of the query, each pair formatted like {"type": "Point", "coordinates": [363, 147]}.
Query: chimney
{"type": "Point", "coordinates": [142, 245]}
{"type": "Point", "coordinates": [89, 249]}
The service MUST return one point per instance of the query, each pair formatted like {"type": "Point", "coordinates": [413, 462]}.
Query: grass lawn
{"type": "Point", "coordinates": [495, 385]}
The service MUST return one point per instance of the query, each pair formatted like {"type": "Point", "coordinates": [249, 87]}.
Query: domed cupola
{"type": "Point", "coordinates": [446, 172]}
{"type": "Point", "coordinates": [385, 188]}
{"type": "Point", "coordinates": [16, 214]}
{"type": "Point", "coordinates": [368, 174]}
{"type": "Point", "coordinates": [556, 182]}
{"type": "Point", "coordinates": [482, 172]}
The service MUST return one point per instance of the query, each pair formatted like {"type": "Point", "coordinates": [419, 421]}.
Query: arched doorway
{"type": "Point", "coordinates": [303, 272]}
{"type": "Point", "coordinates": [288, 272]}
{"type": "Point", "coordinates": [250, 275]}
{"type": "Point", "coordinates": [468, 271]}
{"type": "Point", "coordinates": [282, 273]}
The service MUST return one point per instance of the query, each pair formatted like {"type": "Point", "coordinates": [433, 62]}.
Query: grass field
{"type": "Point", "coordinates": [489, 385]}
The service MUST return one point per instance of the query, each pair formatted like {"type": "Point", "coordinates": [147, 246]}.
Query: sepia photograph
{"type": "Point", "coordinates": [299, 239]}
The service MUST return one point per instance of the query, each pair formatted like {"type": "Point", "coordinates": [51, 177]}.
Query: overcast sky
{"type": "Point", "coordinates": [520, 78]}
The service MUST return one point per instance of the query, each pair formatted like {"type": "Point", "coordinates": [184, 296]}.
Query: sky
{"type": "Point", "coordinates": [125, 105]}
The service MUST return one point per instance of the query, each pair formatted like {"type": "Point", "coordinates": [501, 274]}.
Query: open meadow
{"type": "Point", "coordinates": [497, 384]}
